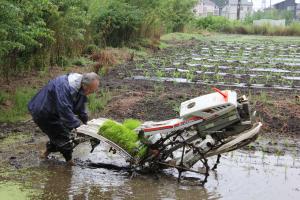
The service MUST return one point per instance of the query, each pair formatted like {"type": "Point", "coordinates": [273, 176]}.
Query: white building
{"type": "Point", "coordinates": [226, 8]}
{"type": "Point", "coordinates": [206, 8]}
{"type": "Point", "coordinates": [230, 10]}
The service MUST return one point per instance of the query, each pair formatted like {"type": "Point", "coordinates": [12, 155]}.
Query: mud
{"type": "Point", "coordinates": [243, 174]}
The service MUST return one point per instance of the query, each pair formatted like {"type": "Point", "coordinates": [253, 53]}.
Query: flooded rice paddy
{"type": "Point", "coordinates": [241, 175]}
{"type": "Point", "coordinates": [264, 64]}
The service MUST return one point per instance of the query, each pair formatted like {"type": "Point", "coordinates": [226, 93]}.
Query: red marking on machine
{"type": "Point", "coordinates": [192, 119]}
{"type": "Point", "coordinates": [224, 94]}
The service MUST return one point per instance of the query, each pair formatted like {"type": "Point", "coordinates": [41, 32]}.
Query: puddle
{"type": "Point", "coordinates": [270, 70]}
{"type": "Point", "coordinates": [161, 79]}
{"type": "Point", "coordinates": [238, 85]}
{"type": "Point", "coordinates": [240, 175]}
{"type": "Point", "coordinates": [198, 58]}
{"type": "Point", "coordinates": [292, 78]}
{"type": "Point", "coordinates": [193, 64]}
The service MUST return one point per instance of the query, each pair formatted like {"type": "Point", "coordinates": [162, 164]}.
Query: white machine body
{"type": "Point", "coordinates": [194, 111]}
{"type": "Point", "coordinates": [209, 105]}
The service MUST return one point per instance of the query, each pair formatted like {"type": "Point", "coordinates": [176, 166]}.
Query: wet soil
{"type": "Point", "coordinates": [242, 174]}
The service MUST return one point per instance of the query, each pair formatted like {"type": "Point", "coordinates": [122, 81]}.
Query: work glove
{"type": "Point", "coordinates": [83, 118]}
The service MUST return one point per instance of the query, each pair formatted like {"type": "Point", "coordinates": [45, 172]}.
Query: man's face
{"type": "Point", "coordinates": [91, 88]}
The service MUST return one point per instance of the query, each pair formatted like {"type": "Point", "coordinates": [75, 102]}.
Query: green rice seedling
{"type": "Point", "coordinates": [158, 88]}
{"type": "Point", "coordinates": [190, 75]}
{"type": "Point", "coordinates": [286, 143]}
{"type": "Point", "coordinates": [218, 77]}
{"type": "Point", "coordinates": [119, 134]}
{"type": "Point", "coordinates": [130, 73]}
{"type": "Point", "coordinates": [263, 155]}
{"type": "Point", "coordinates": [131, 123]}
{"type": "Point", "coordinates": [146, 73]}
{"type": "Point", "coordinates": [278, 152]}
{"type": "Point", "coordinates": [175, 105]}
{"type": "Point", "coordinates": [250, 146]}
{"type": "Point", "coordinates": [176, 74]}
{"type": "Point", "coordinates": [268, 78]}
{"type": "Point", "coordinates": [140, 66]}
{"type": "Point", "coordinates": [159, 73]}
{"type": "Point", "coordinates": [124, 136]}
{"type": "Point", "coordinates": [251, 80]}
{"type": "Point", "coordinates": [153, 65]}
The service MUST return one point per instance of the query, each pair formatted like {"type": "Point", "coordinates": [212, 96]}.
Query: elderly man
{"type": "Point", "coordinates": [58, 108]}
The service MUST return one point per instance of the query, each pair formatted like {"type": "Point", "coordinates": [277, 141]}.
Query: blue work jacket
{"type": "Point", "coordinates": [61, 100]}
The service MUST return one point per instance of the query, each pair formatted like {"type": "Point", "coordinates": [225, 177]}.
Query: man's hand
{"type": "Point", "coordinates": [83, 118]}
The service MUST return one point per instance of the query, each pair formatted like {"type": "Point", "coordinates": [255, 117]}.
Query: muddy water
{"type": "Point", "coordinates": [241, 175]}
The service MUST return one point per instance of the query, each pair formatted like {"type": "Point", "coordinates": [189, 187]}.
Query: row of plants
{"type": "Point", "coordinates": [191, 64]}
{"type": "Point", "coordinates": [234, 77]}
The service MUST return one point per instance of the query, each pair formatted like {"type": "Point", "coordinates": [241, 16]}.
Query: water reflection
{"type": "Point", "coordinates": [241, 175]}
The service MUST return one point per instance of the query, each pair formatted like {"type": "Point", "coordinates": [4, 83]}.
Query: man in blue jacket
{"type": "Point", "coordinates": [60, 106]}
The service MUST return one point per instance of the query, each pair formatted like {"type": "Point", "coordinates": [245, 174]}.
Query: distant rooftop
{"type": "Point", "coordinates": [222, 3]}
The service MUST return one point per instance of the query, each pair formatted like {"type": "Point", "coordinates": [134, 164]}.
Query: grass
{"type": "Point", "coordinates": [82, 61]}
{"type": "Point", "coordinates": [163, 45]}
{"type": "Point", "coordinates": [181, 36]}
{"type": "Point", "coordinates": [124, 136]}
{"type": "Point", "coordinates": [98, 101]}
{"type": "Point", "coordinates": [222, 24]}
{"type": "Point", "coordinates": [14, 138]}
{"type": "Point", "coordinates": [14, 106]}
{"type": "Point", "coordinates": [262, 97]}
{"type": "Point", "coordinates": [290, 30]}
{"type": "Point", "coordinates": [221, 37]}
{"type": "Point", "coordinates": [10, 190]}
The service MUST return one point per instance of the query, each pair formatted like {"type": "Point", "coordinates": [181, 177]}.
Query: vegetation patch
{"type": "Point", "coordinates": [11, 191]}
{"type": "Point", "coordinates": [97, 101]}
{"type": "Point", "coordinates": [13, 107]}
{"type": "Point", "coordinates": [14, 138]}
{"type": "Point", "coordinates": [223, 24]}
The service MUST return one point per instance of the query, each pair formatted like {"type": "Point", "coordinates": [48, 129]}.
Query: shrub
{"type": "Point", "coordinates": [116, 24]}
{"type": "Point", "coordinates": [63, 61]}
{"type": "Point", "coordinates": [269, 14]}
{"type": "Point", "coordinates": [104, 59]}
{"type": "Point", "coordinates": [90, 49]}
{"type": "Point", "coordinates": [212, 23]}
{"type": "Point", "coordinates": [222, 24]}
{"type": "Point", "coordinates": [81, 61]}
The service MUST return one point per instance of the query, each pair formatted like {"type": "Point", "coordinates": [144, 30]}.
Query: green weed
{"type": "Point", "coordinates": [18, 109]}
{"type": "Point", "coordinates": [97, 102]}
